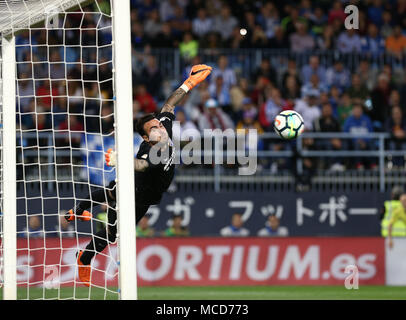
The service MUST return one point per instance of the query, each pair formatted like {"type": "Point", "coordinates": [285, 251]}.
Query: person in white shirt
{"type": "Point", "coordinates": [236, 228]}
{"type": "Point", "coordinates": [273, 228]}
{"type": "Point", "coordinates": [309, 109]}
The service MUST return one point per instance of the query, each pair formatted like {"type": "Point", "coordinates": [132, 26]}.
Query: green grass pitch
{"type": "Point", "coordinates": [226, 293]}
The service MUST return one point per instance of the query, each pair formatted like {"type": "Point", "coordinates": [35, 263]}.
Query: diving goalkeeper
{"type": "Point", "coordinates": [151, 179]}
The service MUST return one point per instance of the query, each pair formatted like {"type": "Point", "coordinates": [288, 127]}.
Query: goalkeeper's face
{"type": "Point", "coordinates": [155, 132]}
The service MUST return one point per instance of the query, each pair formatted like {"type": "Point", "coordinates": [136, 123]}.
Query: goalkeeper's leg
{"type": "Point", "coordinates": [100, 195]}
{"type": "Point", "coordinates": [97, 244]}
{"type": "Point", "coordinates": [108, 235]}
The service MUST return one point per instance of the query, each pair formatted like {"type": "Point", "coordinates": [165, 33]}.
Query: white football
{"type": "Point", "coordinates": [288, 124]}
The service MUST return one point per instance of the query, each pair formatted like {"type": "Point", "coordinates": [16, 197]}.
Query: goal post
{"type": "Point", "coordinates": [9, 206]}
{"type": "Point", "coordinates": [63, 83]}
{"type": "Point", "coordinates": [125, 149]}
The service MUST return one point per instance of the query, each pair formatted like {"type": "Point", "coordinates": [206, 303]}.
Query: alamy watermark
{"type": "Point", "coordinates": [210, 147]}
{"type": "Point", "coordinates": [351, 281]}
{"type": "Point", "coordinates": [352, 19]}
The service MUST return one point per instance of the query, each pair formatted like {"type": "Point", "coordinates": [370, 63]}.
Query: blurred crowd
{"type": "Point", "coordinates": [73, 84]}
{"type": "Point", "coordinates": [369, 96]}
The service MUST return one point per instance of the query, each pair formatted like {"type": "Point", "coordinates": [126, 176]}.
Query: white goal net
{"type": "Point", "coordinates": [66, 105]}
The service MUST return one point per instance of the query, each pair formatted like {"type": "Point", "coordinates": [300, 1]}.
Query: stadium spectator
{"type": "Point", "coordinates": [248, 122]}
{"type": "Point", "coordinates": [214, 118]}
{"type": "Point", "coordinates": [237, 40]}
{"type": "Point", "coordinates": [235, 229]}
{"type": "Point", "coordinates": [138, 39]}
{"type": "Point", "coordinates": [273, 105]}
{"type": "Point", "coordinates": [334, 98]}
{"type": "Point", "coordinates": [380, 100]}
{"type": "Point", "coordinates": [396, 126]}
{"type": "Point", "coordinates": [46, 92]}
{"type": "Point", "coordinates": [292, 70]}
{"type": "Point", "coordinates": [375, 12]}
{"type": "Point", "coordinates": [313, 67]}
{"type": "Point", "coordinates": [359, 123]}
{"type": "Point", "coordinates": [225, 72]}
{"type": "Point", "coordinates": [184, 130]}
{"type": "Point", "coordinates": [179, 23]}
{"type": "Point", "coordinates": [328, 123]}
{"type": "Point", "coordinates": [258, 38]}
{"type": "Point", "coordinates": [237, 95]}
{"type": "Point", "coordinates": [349, 42]}
{"type": "Point", "coordinates": [314, 86]}
{"type": "Point", "coordinates": [249, 23]}
{"type": "Point", "coordinates": [25, 92]}
{"type": "Point", "coordinates": [372, 45]}
{"type": "Point", "coordinates": [396, 43]}
{"type": "Point", "coordinates": [368, 75]}
{"type": "Point", "coordinates": [268, 18]}
{"type": "Point", "coordinates": [164, 39]}
{"type": "Point", "coordinates": [318, 20]}
{"type": "Point", "coordinates": [289, 22]}
{"type": "Point", "coordinates": [176, 230]}
{"type": "Point", "coordinates": [402, 92]}
{"type": "Point", "coordinates": [265, 70]}
{"type": "Point", "coordinates": [337, 75]}
{"type": "Point", "coordinates": [224, 23]}
{"type": "Point", "coordinates": [189, 47]}
{"type": "Point", "coordinates": [202, 24]}
{"type": "Point", "coordinates": [326, 40]}
{"type": "Point", "coordinates": [273, 228]}
{"type": "Point", "coordinates": [279, 41]}
{"type": "Point", "coordinates": [291, 89]}
{"type": "Point", "coordinates": [387, 25]}
{"type": "Point", "coordinates": [336, 13]}
{"type": "Point", "coordinates": [308, 107]}
{"type": "Point", "coordinates": [153, 25]}
{"type": "Point", "coordinates": [357, 90]}
{"type": "Point", "coordinates": [394, 98]}
{"type": "Point", "coordinates": [344, 108]}
{"type": "Point", "coordinates": [145, 99]}
{"type": "Point", "coordinates": [34, 228]}
{"type": "Point", "coordinates": [167, 9]}
{"type": "Point", "coordinates": [143, 228]}
{"type": "Point", "coordinates": [301, 41]}
{"type": "Point", "coordinates": [220, 92]}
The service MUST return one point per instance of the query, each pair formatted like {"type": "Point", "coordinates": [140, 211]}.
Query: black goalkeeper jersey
{"type": "Point", "coordinates": [156, 179]}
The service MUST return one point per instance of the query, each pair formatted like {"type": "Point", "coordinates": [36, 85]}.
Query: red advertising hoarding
{"type": "Point", "coordinates": [212, 261]}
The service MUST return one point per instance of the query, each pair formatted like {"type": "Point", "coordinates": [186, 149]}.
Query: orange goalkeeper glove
{"type": "Point", "coordinates": [71, 216]}
{"type": "Point", "coordinates": [198, 73]}
{"type": "Point", "coordinates": [111, 158]}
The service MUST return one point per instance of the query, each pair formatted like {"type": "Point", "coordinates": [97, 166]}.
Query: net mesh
{"type": "Point", "coordinates": [65, 124]}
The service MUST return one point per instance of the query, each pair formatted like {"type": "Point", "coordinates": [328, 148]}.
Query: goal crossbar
{"type": "Point", "coordinates": [22, 14]}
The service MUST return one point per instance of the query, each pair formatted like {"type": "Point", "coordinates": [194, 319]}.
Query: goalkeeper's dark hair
{"type": "Point", "coordinates": [139, 124]}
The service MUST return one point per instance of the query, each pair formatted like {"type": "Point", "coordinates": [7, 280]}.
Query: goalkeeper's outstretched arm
{"type": "Point", "coordinates": [111, 160]}
{"type": "Point", "coordinates": [197, 74]}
